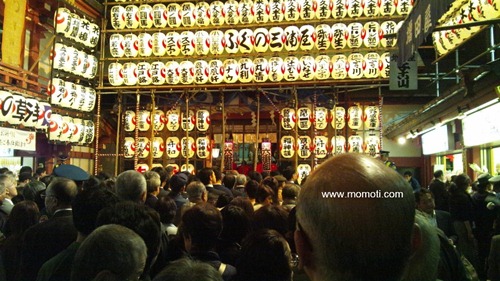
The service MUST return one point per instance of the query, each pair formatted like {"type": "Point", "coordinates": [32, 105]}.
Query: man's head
{"type": "Point", "coordinates": [425, 201]}
{"type": "Point", "coordinates": [178, 182]}
{"type": "Point", "coordinates": [188, 269]}
{"type": "Point", "coordinates": [153, 182]}
{"type": "Point", "coordinates": [206, 176]}
{"type": "Point", "coordinates": [131, 185]}
{"type": "Point", "coordinates": [197, 192]}
{"type": "Point", "coordinates": [439, 174]}
{"type": "Point", "coordinates": [407, 175]}
{"type": "Point", "coordinates": [201, 226]}
{"type": "Point", "coordinates": [241, 180]}
{"type": "Point", "coordinates": [336, 237]}
{"type": "Point", "coordinates": [290, 173]}
{"type": "Point", "coordinates": [59, 194]}
{"type": "Point", "coordinates": [384, 155]}
{"type": "Point", "coordinates": [7, 186]}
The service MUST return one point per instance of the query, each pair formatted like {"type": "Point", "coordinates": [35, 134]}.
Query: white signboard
{"type": "Point", "coordinates": [482, 127]}
{"type": "Point", "coordinates": [435, 141]}
{"type": "Point", "coordinates": [17, 139]}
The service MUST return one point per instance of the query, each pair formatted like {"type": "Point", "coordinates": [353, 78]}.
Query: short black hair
{"type": "Point", "coordinates": [408, 173]}
{"type": "Point", "coordinates": [203, 223]}
{"type": "Point", "coordinates": [438, 174]}
{"type": "Point", "coordinates": [418, 194]}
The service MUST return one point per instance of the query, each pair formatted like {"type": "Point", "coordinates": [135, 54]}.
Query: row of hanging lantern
{"type": "Point", "coordinates": [356, 118]}
{"type": "Point", "coordinates": [157, 120]}
{"type": "Point", "coordinates": [461, 13]}
{"type": "Point", "coordinates": [321, 146]}
{"type": "Point", "coordinates": [246, 70]}
{"type": "Point", "coordinates": [173, 147]}
{"type": "Point", "coordinates": [26, 111]}
{"type": "Point", "coordinates": [143, 167]}
{"type": "Point", "coordinates": [71, 130]}
{"type": "Point", "coordinates": [260, 40]}
{"type": "Point", "coordinates": [232, 12]}
{"type": "Point", "coordinates": [78, 29]}
{"type": "Point", "coordinates": [72, 95]}
{"type": "Point", "coordinates": [72, 60]}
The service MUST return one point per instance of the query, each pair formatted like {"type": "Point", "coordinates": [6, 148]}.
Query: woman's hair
{"type": "Point", "coordinates": [23, 215]}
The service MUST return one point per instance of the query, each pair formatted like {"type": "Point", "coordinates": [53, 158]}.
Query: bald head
{"type": "Point", "coordinates": [364, 229]}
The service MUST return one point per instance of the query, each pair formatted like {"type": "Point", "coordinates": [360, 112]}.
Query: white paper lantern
{"type": "Point", "coordinates": [339, 70]}
{"type": "Point", "coordinates": [262, 39]}
{"type": "Point", "coordinates": [338, 120]}
{"type": "Point", "coordinates": [261, 11]}
{"type": "Point", "coordinates": [355, 144]}
{"type": "Point", "coordinates": [370, 65]}
{"type": "Point", "coordinates": [115, 74]}
{"type": "Point", "coordinates": [145, 44]}
{"type": "Point", "coordinates": [158, 147]}
{"type": "Point", "coordinates": [323, 37]}
{"type": "Point", "coordinates": [172, 44]}
{"type": "Point", "coordinates": [339, 36]}
{"type": "Point", "coordinates": [354, 114]}
{"type": "Point", "coordinates": [370, 34]}
{"type": "Point", "coordinates": [308, 68]}
{"type": "Point", "coordinates": [186, 72]}
{"type": "Point", "coordinates": [372, 145]}
{"type": "Point", "coordinates": [188, 121]}
{"type": "Point", "coordinates": [172, 77]}
{"type": "Point", "coordinates": [320, 146]}
{"type": "Point", "coordinates": [404, 7]}
{"type": "Point", "coordinates": [188, 147]}
{"type": "Point", "coordinates": [202, 120]}
{"type": "Point", "coordinates": [201, 42]}
{"type": "Point", "coordinates": [143, 147]}
{"type": "Point", "coordinates": [371, 8]}
{"type": "Point", "coordinates": [229, 42]}
{"type": "Point", "coordinates": [32, 111]}
{"type": "Point", "coordinates": [144, 120]}
{"type": "Point", "coordinates": [160, 15]}
{"type": "Point", "coordinates": [131, 16]}
{"type": "Point", "coordinates": [276, 69]}
{"type": "Point", "coordinates": [186, 41]}
{"type": "Point", "coordinates": [83, 31]}
{"type": "Point", "coordinates": [57, 90]}
{"type": "Point", "coordinates": [67, 129]}
{"type": "Point", "coordinates": [188, 168]}
{"type": "Point", "coordinates": [306, 9]}
{"type": "Point", "coordinates": [202, 147]}
{"type": "Point", "coordinates": [308, 37]}
{"type": "Point", "coordinates": [371, 117]}
{"type": "Point", "coordinates": [159, 120]}
{"type": "Point", "coordinates": [384, 64]}
{"type": "Point", "coordinates": [129, 71]}
{"type": "Point", "coordinates": [277, 39]}
{"type": "Point", "coordinates": [354, 31]}
{"type": "Point", "coordinates": [201, 72]}
{"type": "Point", "coordinates": [292, 68]}
{"type": "Point", "coordinates": [354, 9]}
{"type": "Point", "coordinates": [70, 94]}
{"type": "Point", "coordinates": [117, 45]}
{"type": "Point", "coordinates": [129, 121]}
{"type": "Point", "coordinates": [303, 170]}
{"type": "Point", "coordinates": [216, 68]}
{"type": "Point", "coordinates": [174, 15]}
{"type": "Point", "coordinates": [71, 58]}
{"type": "Point", "coordinates": [387, 8]}
{"type": "Point", "coordinates": [59, 56]}
{"type": "Point", "coordinates": [287, 146]}
{"type": "Point", "coordinates": [304, 145]}
{"type": "Point", "coordinates": [246, 41]}
{"type": "Point", "coordinates": [355, 65]}
{"type": "Point", "coordinates": [74, 26]}
{"type": "Point", "coordinates": [90, 99]}
{"type": "Point", "coordinates": [261, 70]}
{"type": "Point", "coordinates": [91, 70]}
{"type": "Point", "coordinates": [158, 73]}
{"type": "Point", "coordinates": [144, 76]}
{"type": "Point", "coordinates": [321, 118]}
{"type": "Point", "coordinates": [324, 9]}
{"type": "Point", "coordinates": [339, 9]}
{"type": "Point", "coordinates": [216, 13]}
{"type": "Point", "coordinates": [246, 70]}
{"type": "Point", "coordinates": [339, 144]}
{"type": "Point", "coordinates": [62, 20]}
{"type": "Point", "coordinates": [277, 10]}
{"type": "Point", "coordinates": [304, 118]}
{"type": "Point", "coordinates": [246, 12]}
{"type": "Point", "coordinates": [43, 115]}
{"type": "Point", "coordinates": [288, 118]}
{"type": "Point", "coordinates": [81, 64]}
{"type": "Point", "coordinates": [78, 131]}
{"type": "Point", "coordinates": [145, 16]}
{"type": "Point", "coordinates": [129, 147]}
{"type": "Point", "coordinates": [173, 121]}
{"type": "Point", "coordinates": [55, 127]}
{"type": "Point", "coordinates": [131, 45]}
{"type": "Point", "coordinates": [159, 44]}
{"type": "Point", "coordinates": [323, 67]}
{"type": "Point", "coordinates": [387, 27]}
{"type": "Point", "coordinates": [89, 132]}
{"type": "Point", "coordinates": [118, 16]}
{"type": "Point", "coordinates": [293, 38]}
{"type": "Point", "coordinates": [202, 14]}
{"type": "Point", "coordinates": [80, 98]}
{"type": "Point", "coordinates": [230, 12]}
{"type": "Point", "coordinates": [94, 35]}
{"type": "Point", "coordinates": [292, 10]}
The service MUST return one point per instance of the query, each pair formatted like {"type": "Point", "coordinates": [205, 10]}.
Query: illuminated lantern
{"type": "Point", "coordinates": [339, 144]}
{"type": "Point", "coordinates": [83, 31]}
{"type": "Point", "coordinates": [292, 10]}
{"type": "Point", "coordinates": [216, 13]}
{"type": "Point", "coordinates": [80, 98]}
{"type": "Point", "coordinates": [71, 58]}
{"type": "Point", "coordinates": [78, 131]}
{"type": "Point", "coordinates": [476, 10]}
{"type": "Point", "coordinates": [306, 9]}
{"type": "Point", "coordinates": [216, 42]}
{"type": "Point", "coordinates": [354, 31]}
{"type": "Point", "coordinates": [202, 14]}
{"type": "Point", "coordinates": [188, 121]}
{"type": "Point", "coordinates": [246, 70]}
{"type": "Point", "coordinates": [371, 117]}
{"type": "Point", "coordinates": [261, 70]}
{"type": "Point", "coordinates": [288, 118]}
{"type": "Point", "coordinates": [246, 11]}
{"type": "Point", "coordinates": [90, 99]}
{"type": "Point", "coordinates": [188, 147]}
{"type": "Point", "coordinates": [384, 65]}
{"type": "Point", "coordinates": [354, 114]}
{"type": "Point", "coordinates": [81, 64]}
{"type": "Point", "coordinates": [160, 15]}
{"type": "Point", "coordinates": [186, 40]}
{"type": "Point", "coordinates": [89, 132]}
{"type": "Point", "coordinates": [129, 147]}
{"type": "Point", "coordinates": [320, 144]}
{"type": "Point", "coordinates": [158, 147]}
{"type": "Point", "coordinates": [159, 120]}
{"type": "Point", "coordinates": [131, 45]}
{"type": "Point", "coordinates": [404, 7]}
{"type": "Point", "coordinates": [173, 147]}
{"type": "Point", "coordinates": [339, 9]}
{"type": "Point", "coordinates": [131, 16]}
{"type": "Point", "coordinates": [186, 72]}
{"type": "Point", "coordinates": [355, 65]}
{"type": "Point", "coordinates": [304, 146]}
{"type": "Point", "coordinates": [216, 71]}
{"type": "Point", "coordinates": [158, 73]}
{"type": "Point", "coordinates": [188, 11]}
{"type": "Point", "coordinates": [276, 10]}
{"type": "Point", "coordinates": [303, 170]}
{"type": "Point", "coordinates": [145, 44]}
{"type": "Point", "coordinates": [355, 144]}
{"type": "Point", "coordinates": [202, 120]}
{"type": "Point", "coordinates": [323, 67]}
{"type": "Point", "coordinates": [449, 39]}
{"type": "Point", "coordinates": [277, 39]}
{"type": "Point", "coordinates": [159, 44]}
{"type": "Point", "coordinates": [118, 16]}
{"type": "Point", "coordinates": [246, 41]}
{"type": "Point", "coordinates": [463, 16]}
{"type": "Point", "coordinates": [339, 36]}
{"type": "Point", "coordinates": [144, 120]}
{"type": "Point", "coordinates": [438, 43]}
{"type": "Point", "coordinates": [129, 120]}
{"type": "Point", "coordinates": [44, 112]}
{"type": "Point", "coordinates": [339, 70]}
{"type": "Point", "coordinates": [59, 55]}
{"type": "Point", "coordinates": [370, 65]}
{"type": "Point", "coordinates": [308, 37]}
{"type": "Point", "coordinates": [116, 45]}
{"type": "Point", "coordinates": [201, 42]}
{"type": "Point", "coordinates": [370, 7]}
{"type": "Point", "coordinates": [323, 37]}
{"type": "Point", "coordinates": [94, 35]}
{"type": "Point", "coordinates": [144, 73]}
{"type": "Point", "coordinates": [55, 127]}
{"type": "Point", "coordinates": [143, 147]}
{"type": "Point", "coordinates": [174, 16]}
{"type": "Point", "coordinates": [308, 68]}
{"type": "Point", "coordinates": [129, 71]}
{"type": "Point", "coordinates": [145, 16]}
{"type": "Point", "coordinates": [70, 95]}
{"type": "Point", "coordinates": [304, 116]}
{"type": "Point", "coordinates": [115, 74]}
{"type": "Point", "coordinates": [387, 8]}
{"type": "Point", "coordinates": [62, 20]}
{"type": "Point", "coordinates": [142, 168]}
{"type": "Point", "coordinates": [173, 120]}
{"type": "Point", "coordinates": [67, 129]}
{"type": "Point", "coordinates": [261, 11]}
{"type": "Point", "coordinates": [57, 90]}
{"type": "Point", "coordinates": [30, 118]}
{"type": "Point", "coordinates": [372, 144]}
{"type": "Point", "coordinates": [287, 146]}
{"type": "Point", "coordinates": [175, 167]}
{"type": "Point", "coordinates": [354, 9]}
{"type": "Point", "coordinates": [276, 69]}
{"type": "Point", "coordinates": [292, 68]}
{"type": "Point", "coordinates": [202, 147]}
{"type": "Point", "coordinates": [324, 9]}
{"type": "Point", "coordinates": [230, 41]}
{"type": "Point", "coordinates": [230, 12]}
{"type": "Point", "coordinates": [370, 34]}
{"type": "Point", "coordinates": [189, 168]}
{"type": "Point", "coordinates": [338, 122]}
{"type": "Point", "coordinates": [262, 39]}
{"type": "Point", "coordinates": [320, 118]}
{"type": "Point", "coordinates": [172, 44]}
{"type": "Point", "coordinates": [201, 72]}
{"type": "Point", "coordinates": [387, 27]}
{"type": "Point", "coordinates": [74, 26]}
{"type": "Point", "coordinates": [293, 38]}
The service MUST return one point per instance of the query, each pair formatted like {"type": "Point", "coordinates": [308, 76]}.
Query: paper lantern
{"type": "Point", "coordinates": [186, 72]}
{"type": "Point", "coordinates": [339, 70]}
{"type": "Point", "coordinates": [188, 121]}
{"type": "Point", "coordinates": [174, 15]}
{"type": "Point", "coordinates": [142, 168]}
{"type": "Point", "coordinates": [338, 122]}
{"type": "Point", "coordinates": [404, 7]}
{"type": "Point", "coordinates": [370, 65]}
{"type": "Point", "coordinates": [172, 73]}
{"type": "Point", "coordinates": [261, 70]}
{"type": "Point", "coordinates": [159, 120]}
{"type": "Point", "coordinates": [354, 114]}
{"type": "Point", "coordinates": [229, 41]}
{"type": "Point", "coordinates": [70, 94]}
{"type": "Point", "coordinates": [55, 127]}
{"type": "Point", "coordinates": [438, 43]}
{"type": "Point", "coordinates": [81, 65]}
{"type": "Point", "coordinates": [89, 132]}
{"type": "Point", "coordinates": [387, 27]}
{"type": "Point", "coordinates": [354, 65]}
{"type": "Point", "coordinates": [90, 99]}
{"type": "Point", "coordinates": [476, 11]}
{"type": "Point", "coordinates": [304, 118]}
{"type": "Point", "coordinates": [339, 36]}
{"type": "Point", "coordinates": [188, 147]}
{"type": "Point", "coordinates": [91, 70]}
{"type": "Point", "coordinates": [158, 147]}
{"type": "Point", "coordinates": [339, 9]}
{"type": "Point", "coordinates": [323, 67]}
{"type": "Point", "coordinates": [160, 15]}
{"type": "Point", "coordinates": [201, 42]}
{"type": "Point", "coordinates": [115, 74]}
{"type": "Point", "coordinates": [129, 147]}
{"type": "Point", "coordinates": [144, 76]}
{"type": "Point", "coordinates": [188, 168]}
{"type": "Point", "coordinates": [57, 90]}
{"type": "Point", "coordinates": [304, 146]}
{"type": "Point", "coordinates": [159, 44]}
{"type": "Point", "coordinates": [202, 147]}
{"type": "Point", "coordinates": [216, 42]}
{"type": "Point", "coordinates": [158, 73]}
{"type": "Point", "coordinates": [287, 146]}
{"type": "Point", "coordinates": [303, 170]}
{"type": "Point", "coordinates": [276, 10]}
{"type": "Point", "coordinates": [276, 69]}
{"type": "Point", "coordinates": [246, 11]}
{"type": "Point", "coordinates": [201, 72]}
{"type": "Point", "coordinates": [144, 120]}
{"type": "Point", "coordinates": [320, 146]}
{"type": "Point", "coordinates": [261, 11]}
{"type": "Point", "coordinates": [118, 16]}
{"type": "Point", "coordinates": [355, 144]}
{"type": "Point", "coordinates": [320, 118]}
{"type": "Point", "coordinates": [62, 20]}
{"type": "Point", "coordinates": [143, 147]}
{"type": "Point", "coordinates": [117, 45]}
{"type": "Point", "coordinates": [354, 31]}
{"type": "Point", "coordinates": [324, 9]}
{"type": "Point", "coordinates": [94, 35]}
{"type": "Point", "coordinates": [292, 10]}
{"type": "Point", "coordinates": [131, 45]}
{"type": "Point", "coordinates": [145, 44]}
{"type": "Point", "coordinates": [145, 16]}
{"type": "Point", "coordinates": [74, 26]}
{"type": "Point", "coordinates": [371, 118]}
{"type": "Point", "coordinates": [230, 12]}
{"type": "Point", "coordinates": [293, 68]}
{"type": "Point", "coordinates": [132, 16]}
{"type": "Point", "coordinates": [370, 34]}
{"type": "Point", "coordinates": [288, 118]}
{"type": "Point", "coordinates": [59, 55]}
{"type": "Point", "coordinates": [308, 68]}
{"type": "Point", "coordinates": [246, 41]}
{"type": "Point", "coordinates": [308, 37]}
{"type": "Point", "coordinates": [339, 144]}
{"type": "Point", "coordinates": [262, 39]}
{"type": "Point", "coordinates": [202, 14]}
{"type": "Point", "coordinates": [83, 31]}
{"type": "Point", "coordinates": [387, 8]}
{"type": "Point", "coordinates": [371, 7]}
{"type": "Point", "coordinates": [323, 37]}
{"type": "Point", "coordinates": [186, 42]}
{"type": "Point", "coordinates": [216, 70]}
{"type": "Point", "coordinates": [216, 13]}
{"type": "Point", "coordinates": [67, 129]}
{"type": "Point", "coordinates": [129, 71]}
{"type": "Point", "coordinates": [30, 117]}
{"type": "Point", "coordinates": [277, 39]}
{"type": "Point", "coordinates": [354, 9]}
{"type": "Point", "coordinates": [71, 58]}
{"type": "Point", "coordinates": [78, 131]}
{"type": "Point", "coordinates": [44, 113]}
{"type": "Point", "coordinates": [202, 120]}
{"type": "Point", "coordinates": [173, 147]}
{"type": "Point", "coordinates": [372, 145]}
{"type": "Point", "coordinates": [80, 98]}
{"type": "Point", "coordinates": [129, 121]}
{"type": "Point", "coordinates": [231, 71]}
{"type": "Point", "coordinates": [246, 70]}
{"type": "Point", "coordinates": [384, 65]}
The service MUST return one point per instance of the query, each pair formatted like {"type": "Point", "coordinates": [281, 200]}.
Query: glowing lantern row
{"type": "Point", "coordinates": [78, 29]}
{"type": "Point", "coordinates": [245, 70]}
{"type": "Point", "coordinates": [71, 95]}
{"type": "Point", "coordinates": [72, 60]}
{"type": "Point", "coordinates": [19, 110]}
{"type": "Point", "coordinates": [172, 121]}
{"type": "Point", "coordinates": [172, 147]}
{"type": "Point", "coordinates": [232, 12]}
{"type": "Point", "coordinates": [275, 39]}
{"type": "Point", "coordinates": [69, 129]}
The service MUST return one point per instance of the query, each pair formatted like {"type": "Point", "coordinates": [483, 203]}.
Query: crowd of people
{"type": "Point", "coordinates": [213, 226]}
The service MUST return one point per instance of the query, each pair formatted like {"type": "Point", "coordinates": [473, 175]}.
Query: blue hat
{"type": "Point", "coordinates": [177, 181]}
{"type": "Point", "coordinates": [71, 172]}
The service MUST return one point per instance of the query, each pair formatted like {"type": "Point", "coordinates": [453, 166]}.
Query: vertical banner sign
{"type": "Point", "coordinates": [266, 155]}
{"type": "Point", "coordinates": [228, 155]}
{"type": "Point", "coordinates": [14, 24]}
{"type": "Point", "coordinates": [403, 77]}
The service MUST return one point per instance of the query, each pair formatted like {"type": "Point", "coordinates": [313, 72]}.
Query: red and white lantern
{"type": "Point", "coordinates": [131, 45]}
{"type": "Point", "coordinates": [293, 68]}
{"type": "Point", "coordinates": [173, 120]}
{"type": "Point", "coordinates": [287, 147]}
{"type": "Point", "coordinates": [288, 118]}
{"type": "Point", "coordinates": [338, 122]}
{"type": "Point", "coordinates": [260, 10]}
{"type": "Point", "coordinates": [186, 72]}
{"type": "Point", "coordinates": [118, 17]}
{"type": "Point", "coordinates": [261, 70]}
{"type": "Point", "coordinates": [159, 44]}
{"type": "Point", "coordinates": [129, 121]}
{"type": "Point", "coordinates": [308, 68]}
{"type": "Point", "coordinates": [188, 121]}
{"type": "Point", "coordinates": [158, 73]}
{"type": "Point", "coordinates": [339, 63]}
{"type": "Point", "coordinates": [115, 74]}
{"type": "Point", "coordinates": [172, 73]}
{"type": "Point", "coordinates": [371, 65]}
{"type": "Point", "coordinates": [354, 31]}
{"type": "Point", "coordinates": [143, 146]}
{"type": "Point", "coordinates": [202, 42]}
{"type": "Point", "coordinates": [188, 147]}
{"type": "Point", "coordinates": [304, 146]}
{"type": "Point", "coordinates": [355, 65]}
{"type": "Point", "coordinates": [216, 13]}
{"type": "Point", "coordinates": [129, 73]}
{"type": "Point", "coordinates": [44, 113]}
{"type": "Point", "coordinates": [246, 11]}
{"type": "Point", "coordinates": [174, 15]}
{"type": "Point", "coordinates": [216, 42]}
{"type": "Point", "coordinates": [303, 170]}
{"type": "Point", "coordinates": [230, 12]}
{"type": "Point", "coordinates": [370, 34]}
{"type": "Point", "coordinates": [188, 11]}
{"type": "Point", "coordinates": [129, 147]}
{"type": "Point", "coordinates": [354, 114]}
{"type": "Point", "coordinates": [158, 147]}
{"type": "Point", "coordinates": [144, 76]}
{"type": "Point", "coordinates": [304, 118]}
{"type": "Point", "coordinates": [202, 120]}
{"type": "Point", "coordinates": [320, 118]}
{"type": "Point", "coordinates": [117, 45]}
{"type": "Point", "coordinates": [293, 38]}
{"type": "Point", "coordinates": [217, 71]}
{"type": "Point", "coordinates": [277, 10]}
{"type": "Point", "coordinates": [276, 69]}
{"type": "Point", "coordinates": [186, 41]}
{"type": "Point", "coordinates": [339, 145]}
{"type": "Point", "coordinates": [323, 67]}
{"type": "Point", "coordinates": [145, 44]}
{"type": "Point", "coordinates": [144, 120]}
{"type": "Point", "coordinates": [173, 147]}
{"type": "Point", "coordinates": [355, 144]}
{"type": "Point", "coordinates": [246, 70]}
{"type": "Point", "coordinates": [308, 37]}
{"type": "Point", "coordinates": [160, 15]}
{"type": "Point", "coordinates": [132, 16]}
{"type": "Point", "coordinates": [230, 41]}
{"type": "Point", "coordinates": [55, 127]}
{"type": "Point", "coordinates": [201, 72]}
{"type": "Point", "coordinates": [202, 14]}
